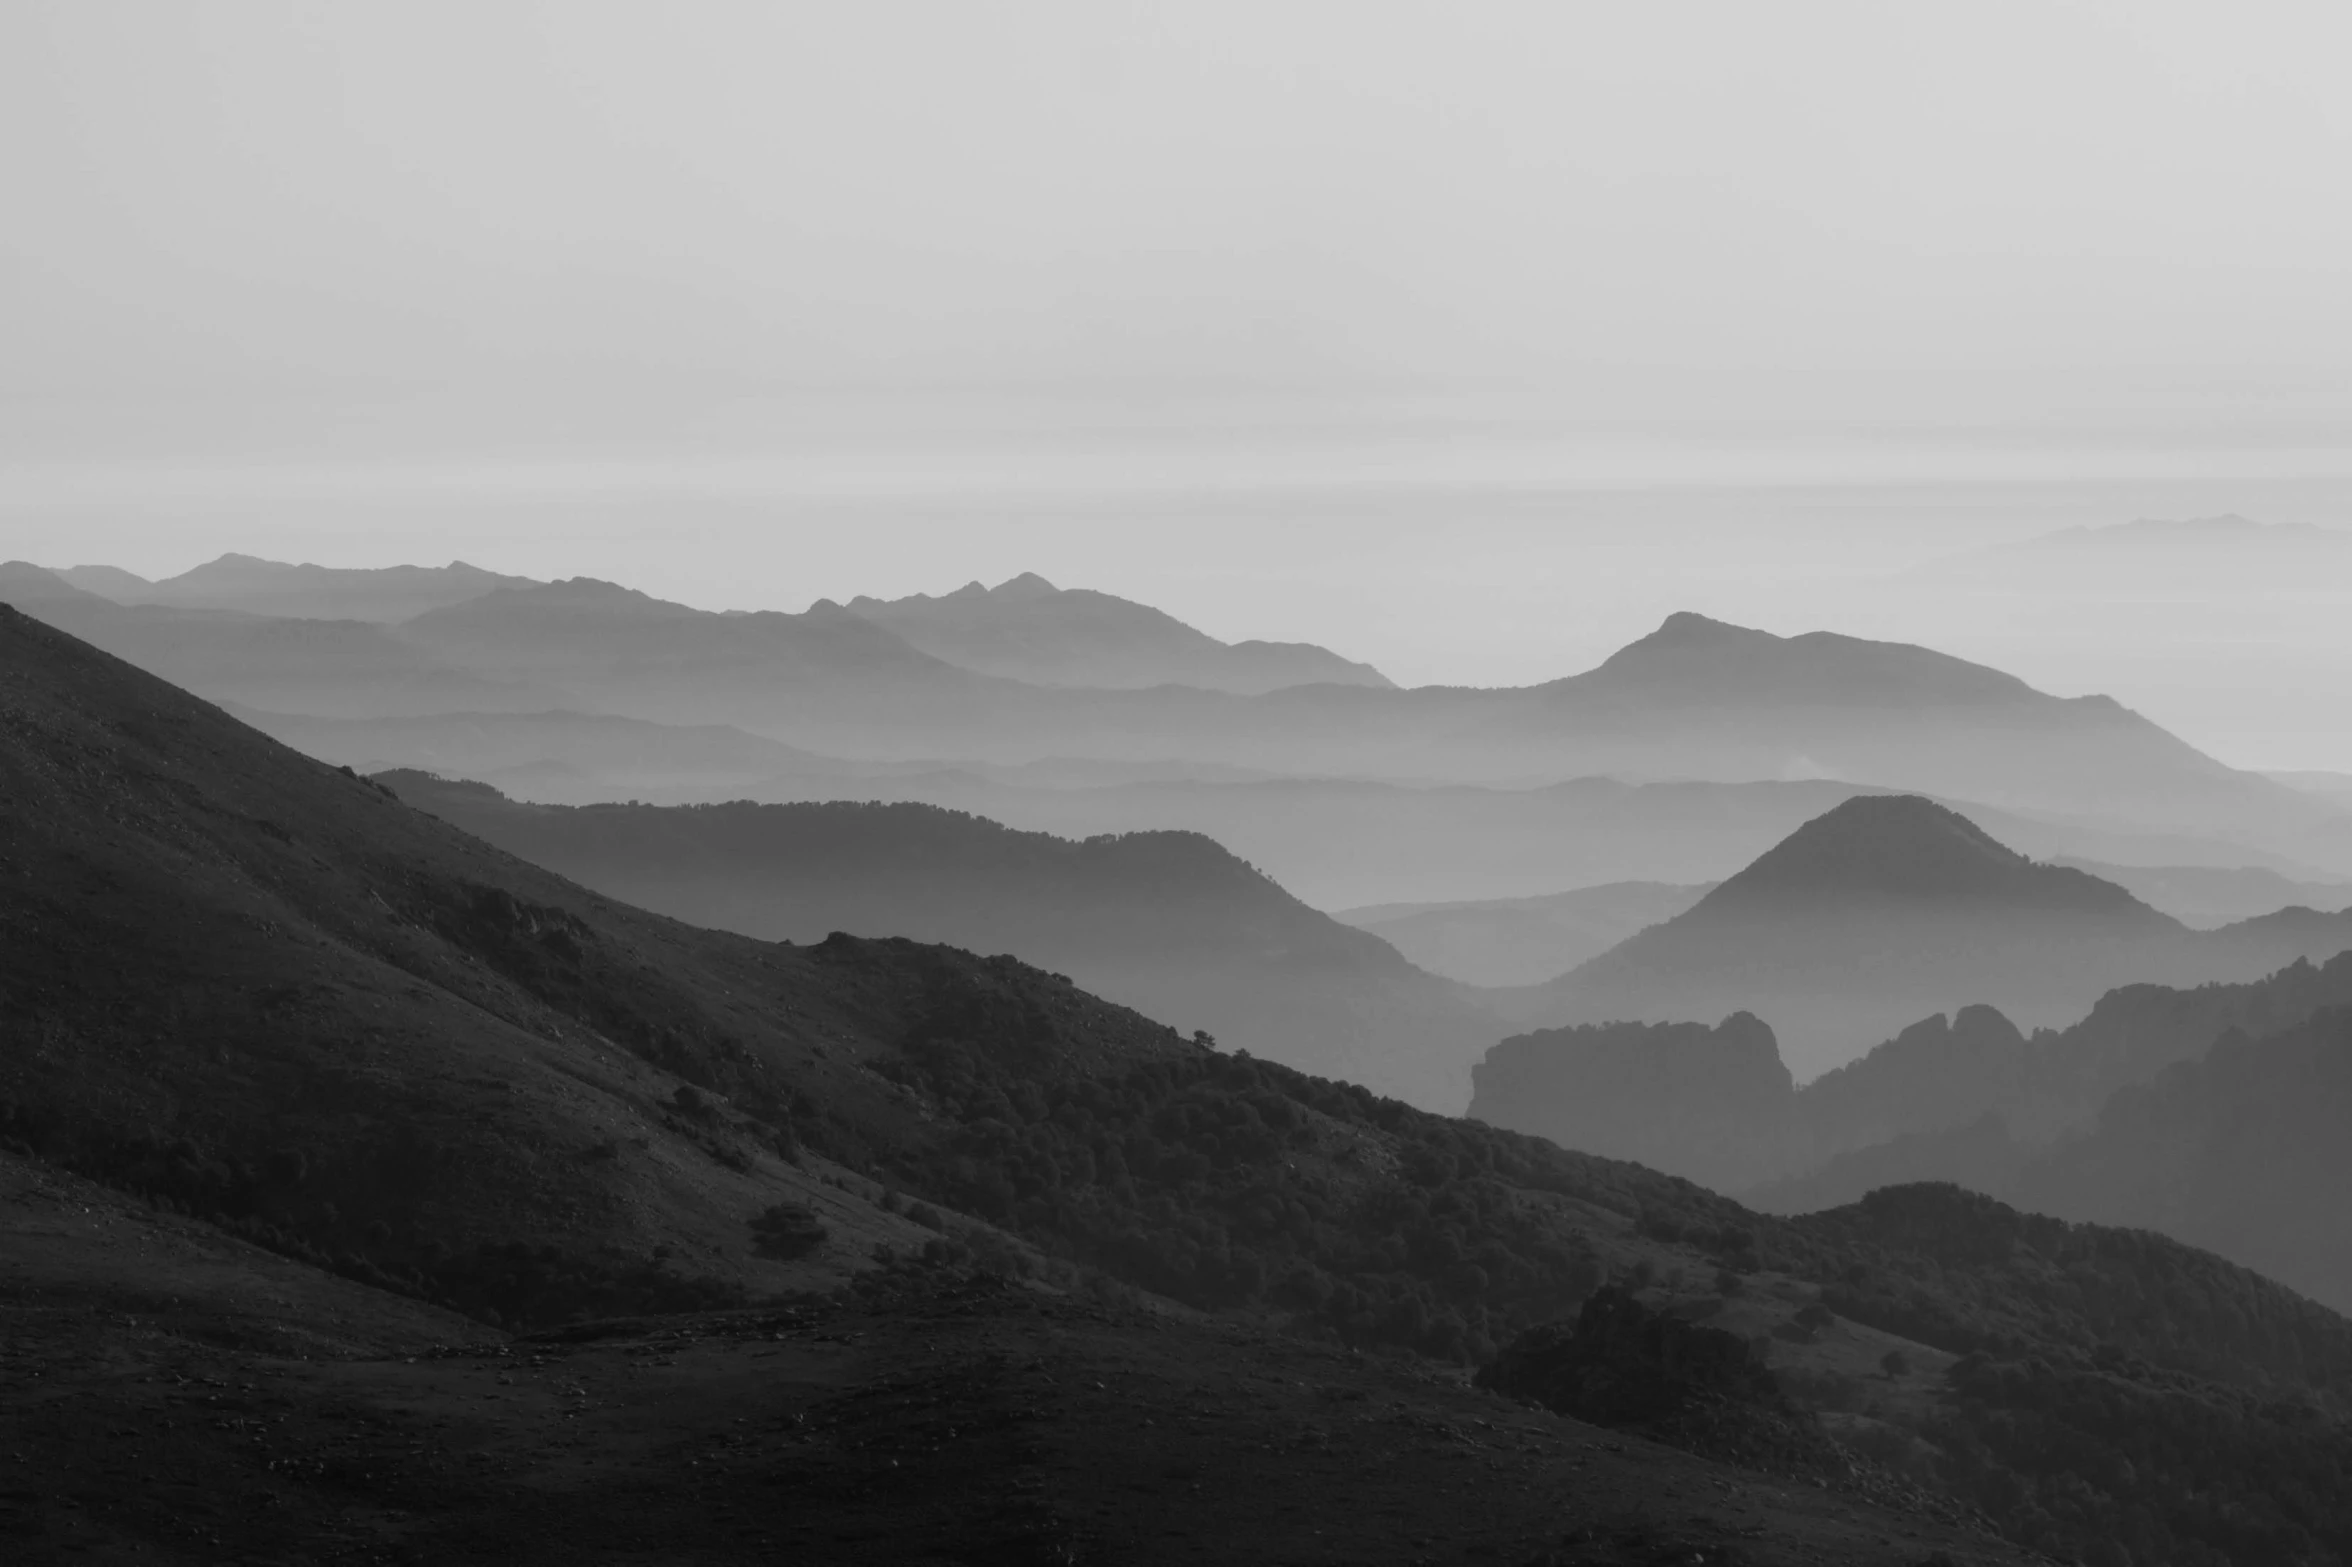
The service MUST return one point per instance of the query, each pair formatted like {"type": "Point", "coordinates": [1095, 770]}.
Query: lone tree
{"type": "Point", "coordinates": [1895, 1364]}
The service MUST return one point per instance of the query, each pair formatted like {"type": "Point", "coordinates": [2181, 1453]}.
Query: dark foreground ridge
{"type": "Point", "coordinates": [172, 1395]}
{"type": "Point", "coordinates": [254, 992]}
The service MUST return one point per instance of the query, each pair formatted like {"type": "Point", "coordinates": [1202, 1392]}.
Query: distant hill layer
{"type": "Point", "coordinates": [267, 587]}
{"type": "Point", "coordinates": [1166, 922]}
{"type": "Point", "coordinates": [1027, 629]}
{"type": "Point", "coordinates": [1697, 699]}
{"type": "Point", "coordinates": [350, 668]}
{"type": "Point", "coordinates": [1522, 941]}
{"type": "Point", "coordinates": [1336, 842]}
{"type": "Point", "coordinates": [1887, 908]}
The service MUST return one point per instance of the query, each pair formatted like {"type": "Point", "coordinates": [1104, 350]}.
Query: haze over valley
{"type": "Point", "coordinates": [1066, 786]}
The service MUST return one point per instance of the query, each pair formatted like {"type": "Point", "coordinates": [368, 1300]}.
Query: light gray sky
{"type": "Point", "coordinates": [1468, 338]}
{"type": "Point", "coordinates": [1674, 208]}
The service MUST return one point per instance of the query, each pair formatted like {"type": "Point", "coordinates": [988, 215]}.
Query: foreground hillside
{"type": "Point", "coordinates": [173, 1394]}
{"type": "Point", "coordinates": [267, 990]}
{"type": "Point", "coordinates": [1167, 923]}
{"type": "Point", "coordinates": [242, 984]}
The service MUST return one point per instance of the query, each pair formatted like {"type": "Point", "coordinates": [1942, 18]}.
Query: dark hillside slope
{"type": "Point", "coordinates": [1168, 923]}
{"type": "Point", "coordinates": [930, 1416]}
{"type": "Point", "coordinates": [266, 989]}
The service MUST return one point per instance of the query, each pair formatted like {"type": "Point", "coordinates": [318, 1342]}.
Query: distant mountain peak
{"type": "Point", "coordinates": [1689, 629]}
{"type": "Point", "coordinates": [1907, 847]}
{"type": "Point", "coordinates": [1028, 629]}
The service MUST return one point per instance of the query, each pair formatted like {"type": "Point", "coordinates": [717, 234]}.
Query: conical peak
{"type": "Point", "coordinates": [1907, 847]}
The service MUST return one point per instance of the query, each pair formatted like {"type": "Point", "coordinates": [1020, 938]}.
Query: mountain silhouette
{"type": "Point", "coordinates": [2240, 1151]}
{"type": "Point", "coordinates": [346, 668]}
{"type": "Point", "coordinates": [267, 587]}
{"type": "Point", "coordinates": [1336, 842]}
{"type": "Point", "coordinates": [1708, 1102]}
{"type": "Point", "coordinates": [1887, 908]}
{"type": "Point", "coordinates": [1697, 700]}
{"type": "Point", "coordinates": [1168, 923]}
{"type": "Point", "coordinates": [1987, 1117]}
{"type": "Point", "coordinates": [1027, 629]}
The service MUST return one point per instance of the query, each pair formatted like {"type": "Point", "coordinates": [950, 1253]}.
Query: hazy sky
{"type": "Point", "coordinates": [1676, 208]}
{"type": "Point", "coordinates": [1470, 338]}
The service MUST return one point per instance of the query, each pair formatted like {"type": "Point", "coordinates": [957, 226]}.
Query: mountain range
{"type": "Point", "coordinates": [1525, 941]}
{"type": "Point", "coordinates": [1167, 923]}
{"type": "Point", "coordinates": [1337, 842]}
{"type": "Point", "coordinates": [756, 1210]}
{"type": "Point", "coordinates": [1027, 629]}
{"type": "Point", "coordinates": [266, 587]}
{"type": "Point", "coordinates": [2224, 627]}
{"type": "Point", "coordinates": [1889, 907]}
{"type": "Point", "coordinates": [1697, 699]}
{"type": "Point", "coordinates": [2206, 1113]}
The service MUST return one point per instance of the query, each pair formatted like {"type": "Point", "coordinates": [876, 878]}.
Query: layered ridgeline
{"type": "Point", "coordinates": [1027, 629]}
{"type": "Point", "coordinates": [1355, 845]}
{"type": "Point", "coordinates": [1887, 908]}
{"type": "Point", "coordinates": [1717, 1103]}
{"type": "Point", "coordinates": [343, 666]}
{"type": "Point", "coordinates": [266, 992]}
{"type": "Point", "coordinates": [1168, 923]}
{"type": "Point", "coordinates": [2241, 1151]}
{"type": "Point", "coordinates": [1696, 699]}
{"type": "Point", "coordinates": [1525, 941]}
{"type": "Point", "coordinates": [267, 587]}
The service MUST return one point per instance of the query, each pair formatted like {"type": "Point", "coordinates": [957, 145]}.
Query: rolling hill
{"type": "Point", "coordinates": [1168, 923]}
